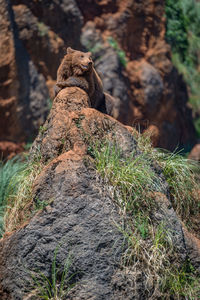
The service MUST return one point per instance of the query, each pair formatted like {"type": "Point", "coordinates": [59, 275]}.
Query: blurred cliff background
{"type": "Point", "coordinates": [147, 53]}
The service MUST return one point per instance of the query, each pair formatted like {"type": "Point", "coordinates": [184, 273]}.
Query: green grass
{"type": "Point", "coordinates": [182, 282]}
{"type": "Point", "coordinates": [180, 174]}
{"type": "Point", "coordinates": [132, 181]}
{"type": "Point", "coordinates": [133, 178]}
{"type": "Point", "coordinates": [42, 29]}
{"type": "Point", "coordinates": [10, 175]}
{"type": "Point", "coordinates": [58, 285]}
{"type": "Point", "coordinates": [121, 54]}
{"type": "Point", "coordinates": [16, 179]}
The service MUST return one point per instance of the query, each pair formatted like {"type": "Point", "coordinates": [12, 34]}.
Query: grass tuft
{"type": "Point", "coordinates": [10, 173]}
{"type": "Point", "coordinates": [58, 285]}
{"type": "Point", "coordinates": [16, 179]}
{"type": "Point", "coordinates": [134, 179]}
{"type": "Point", "coordinates": [180, 174]}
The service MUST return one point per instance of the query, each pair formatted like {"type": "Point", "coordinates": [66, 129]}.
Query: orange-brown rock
{"type": "Point", "coordinates": [195, 153]}
{"type": "Point", "coordinates": [9, 125]}
{"type": "Point", "coordinates": [23, 92]}
{"type": "Point", "coordinates": [193, 248]}
{"type": "Point", "coordinates": [9, 149]}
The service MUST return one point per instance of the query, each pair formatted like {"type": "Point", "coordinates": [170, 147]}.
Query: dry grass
{"type": "Point", "coordinates": [150, 246]}
{"type": "Point", "coordinates": [18, 193]}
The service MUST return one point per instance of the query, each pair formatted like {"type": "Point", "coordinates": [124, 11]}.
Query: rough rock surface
{"type": "Point", "coordinates": [193, 248]}
{"type": "Point", "coordinates": [81, 216]}
{"type": "Point", "coordinates": [34, 35]}
{"type": "Point", "coordinates": [23, 92]}
{"type": "Point", "coordinates": [195, 153]}
{"type": "Point", "coordinates": [152, 93]}
{"type": "Point", "coordinates": [10, 149]}
{"type": "Point", "coordinates": [81, 219]}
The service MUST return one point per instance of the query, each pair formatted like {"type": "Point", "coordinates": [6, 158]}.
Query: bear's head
{"type": "Point", "coordinates": [81, 62]}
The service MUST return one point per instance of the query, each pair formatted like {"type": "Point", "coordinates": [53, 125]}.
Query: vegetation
{"type": "Point", "coordinates": [121, 54]}
{"type": "Point", "coordinates": [16, 179]}
{"type": "Point", "coordinates": [135, 180]}
{"type": "Point", "coordinates": [56, 287]}
{"type": "Point", "coordinates": [9, 179]}
{"type": "Point", "coordinates": [42, 29]}
{"type": "Point", "coordinates": [181, 175]}
{"type": "Point", "coordinates": [183, 34]}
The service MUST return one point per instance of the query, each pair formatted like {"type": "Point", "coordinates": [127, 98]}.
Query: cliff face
{"type": "Point", "coordinates": [128, 46]}
{"type": "Point", "coordinates": [23, 94]}
{"type": "Point", "coordinates": [152, 93]}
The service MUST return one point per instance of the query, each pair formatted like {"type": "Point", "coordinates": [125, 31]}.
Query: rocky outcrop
{"type": "Point", "coordinates": [128, 46]}
{"type": "Point", "coordinates": [81, 217]}
{"type": "Point", "coordinates": [195, 153]}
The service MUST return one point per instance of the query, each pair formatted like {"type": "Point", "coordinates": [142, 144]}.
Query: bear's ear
{"type": "Point", "coordinates": [70, 50]}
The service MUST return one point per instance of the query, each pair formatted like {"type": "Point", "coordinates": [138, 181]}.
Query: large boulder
{"type": "Point", "coordinates": [81, 217]}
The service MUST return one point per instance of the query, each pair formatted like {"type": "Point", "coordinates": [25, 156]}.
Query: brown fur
{"type": "Point", "coordinates": [77, 69]}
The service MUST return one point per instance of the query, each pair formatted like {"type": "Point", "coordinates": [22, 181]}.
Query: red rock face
{"type": "Point", "coordinates": [9, 126]}
{"type": "Point", "coordinates": [34, 36]}
{"type": "Point", "coordinates": [157, 96]}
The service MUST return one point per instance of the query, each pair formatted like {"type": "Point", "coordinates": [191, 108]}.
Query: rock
{"type": "Point", "coordinates": [81, 217]}
{"type": "Point", "coordinates": [153, 88]}
{"type": "Point", "coordinates": [24, 93]}
{"type": "Point", "coordinates": [195, 153]}
{"type": "Point", "coordinates": [80, 220]}
{"type": "Point", "coordinates": [153, 132]}
{"type": "Point", "coordinates": [66, 11]}
{"type": "Point", "coordinates": [40, 41]}
{"type": "Point", "coordinates": [150, 86]}
{"type": "Point", "coordinates": [193, 248]}
{"type": "Point", "coordinates": [151, 91]}
{"type": "Point", "coordinates": [9, 126]}
{"type": "Point", "coordinates": [107, 64]}
{"type": "Point", "coordinates": [9, 149]}
{"type": "Point", "coordinates": [61, 131]}
{"type": "Point", "coordinates": [166, 214]}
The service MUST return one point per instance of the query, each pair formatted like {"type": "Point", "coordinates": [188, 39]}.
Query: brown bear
{"type": "Point", "coordinates": [77, 69]}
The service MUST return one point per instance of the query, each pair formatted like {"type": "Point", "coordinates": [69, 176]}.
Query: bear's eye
{"type": "Point", "coordinates": [82, 56]}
